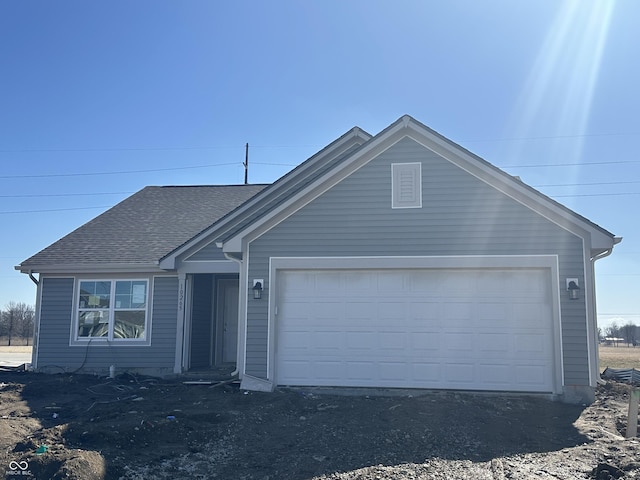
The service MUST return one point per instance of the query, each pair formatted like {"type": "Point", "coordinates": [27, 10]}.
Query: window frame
{"type": "Point", "coordinates": [112, 309]}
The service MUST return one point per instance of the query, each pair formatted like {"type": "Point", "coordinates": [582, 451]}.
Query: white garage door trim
{"type": "Point", "coordinates": [549, 262]}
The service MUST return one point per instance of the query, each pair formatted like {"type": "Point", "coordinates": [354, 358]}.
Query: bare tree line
{"type": "Point", "coordinates": [16, 322]}
{"type": "Point", "coordinates": [628, 333]}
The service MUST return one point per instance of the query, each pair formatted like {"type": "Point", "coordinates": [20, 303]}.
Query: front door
{"type": "Point", "coordinates": [227, 320]}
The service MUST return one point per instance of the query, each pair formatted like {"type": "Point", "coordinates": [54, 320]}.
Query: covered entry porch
{"type": "Point", "coordinates": [212, 321]}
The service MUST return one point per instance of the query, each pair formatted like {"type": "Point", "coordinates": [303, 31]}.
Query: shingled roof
{"type": "Point", "coordinates": [144, 227]}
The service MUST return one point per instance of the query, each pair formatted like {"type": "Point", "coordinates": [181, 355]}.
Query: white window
{"type": "Point", "coordinates": [406, 185]}
{"type": "Point", "coordinates": [112, 310]}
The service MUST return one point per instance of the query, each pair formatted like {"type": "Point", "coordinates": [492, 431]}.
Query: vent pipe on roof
{"type": "Point", "coordinates": [246, 164]}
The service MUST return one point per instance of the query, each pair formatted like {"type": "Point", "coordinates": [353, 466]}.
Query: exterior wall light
{"type": "Point", "coordinates": [573, 288]}
{"type": "Point", "coordinates": [257, 289]}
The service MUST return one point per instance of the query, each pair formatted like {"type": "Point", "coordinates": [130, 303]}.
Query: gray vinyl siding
{"type": "Point", "coordinates": [208, 252]}
{"type": "Point", "coordinates": [56, 320]}
{"type": "Point", "coordinates": [460, 215]}
{"type": "Point", "coordinates": [56, 311]}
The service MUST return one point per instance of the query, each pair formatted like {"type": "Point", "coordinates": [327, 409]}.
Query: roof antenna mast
{"type": "Point", "coordinates": [246, 164]}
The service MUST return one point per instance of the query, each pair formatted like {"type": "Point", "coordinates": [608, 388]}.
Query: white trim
{"type": "Point", "coordinates": [208, 266]}
{"type": "Point", "coordinates": [549, 262]}
{"type": "Point", "coordinates": [180, 337]}
{"type": "Point", "coordinates": [590, 316]}
{"type": "Point", "coordinates": [243, 307]}
{"type": "Point", "coordinates": [188, 300]}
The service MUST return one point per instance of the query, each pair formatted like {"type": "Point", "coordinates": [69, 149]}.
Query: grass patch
{"type": "Point", "coordinates": [621, 356]}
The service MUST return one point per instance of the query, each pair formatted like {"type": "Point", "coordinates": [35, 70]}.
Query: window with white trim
{"type": "Point", "coordinates": [112, 310]}
{"type": "Point", "coordinates": [406, 186]}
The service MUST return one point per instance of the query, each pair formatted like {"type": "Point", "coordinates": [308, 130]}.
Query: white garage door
{"type": "Point", "coordinates": [457, 329]}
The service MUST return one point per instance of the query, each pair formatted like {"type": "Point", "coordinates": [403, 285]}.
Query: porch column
{"type": "Point", "coordinates": [182, 288]}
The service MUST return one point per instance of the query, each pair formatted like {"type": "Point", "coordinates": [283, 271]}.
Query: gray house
{"type": "Point", "coordinates": [394, 260]}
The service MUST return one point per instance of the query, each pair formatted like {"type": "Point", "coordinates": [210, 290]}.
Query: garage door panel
{"type": "Point", "coordinates": [494, 315]}
{"type": "Point", "coordinates": [327, 340]}
{"type": "Point", "coordinates": [458, 314]}
{"type": "Point", "coordinates": [297, 370]}
{"type": "Point", "coordinates": [361, 371]}
{"type": "Point", "coordinates": [391, 312]}
{"type": "Point", "coordinates": [358, 311]}
{"type": "Point", "coordinates": [530, 375]}
{"type": "Point", "coordinates": [495, 344]}
{"type": "Point", "coordinates": [457, 283]}
{"type": "Point", "coordinates": [393, 282]}
{"type": "Point", "coordinates": [328, 282]}
{"type": "Point", "coordinates": [492, 374]}
{"type": "Point", "coordinates": [292, 341]}
{"type": "Point", "coordinates": [360, 283]}
{"type": "Point", "coordinates": [425, 340]}
{"type": "Point", "coordinates": [428, 374]}
{"type": "Point", "coordinates": [389, 341]}
{"type": "Point", "coordinates": [298, 283]}
{"type": "Point", "coordinates": [419, 285]}
{"type": "Point", "coordinates": [460, 342]}
{"type": "Point", "coordinates": [393, 371]}
{"type": "Point", "coordinates": [328, 370]}
{"type": "Point", "coordinates": [531, 343]}
{"type": "Point", "coordinates": [526, 314]}
{"type": "Point", "coordinates": [460, 374]}
{"type": "Point", "coordinates": [467, 329]}
{"type": "Point", "coordinates": [424, 314]}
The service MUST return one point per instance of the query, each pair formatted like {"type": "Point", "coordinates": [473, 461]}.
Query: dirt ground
{"type": "Point", "coordinates": [86, 427]}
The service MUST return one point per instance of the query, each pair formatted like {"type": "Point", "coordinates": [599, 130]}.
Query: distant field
{"type": "Point", "coordinates": [619, 357]}
{"type": "Point", "coordinates": [15, 349]}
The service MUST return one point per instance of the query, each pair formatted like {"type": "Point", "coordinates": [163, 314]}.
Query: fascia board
{"type": "Point", "coordinates": [519, 191]}
{"type": "Point", "coordinates": [364, 154]}
{"type": "Point", "coordinates": [334, 149]}
{"type": "Point", "coordinates": [474, 165]}
{"type": "Point", "coordinates": [90, 268]}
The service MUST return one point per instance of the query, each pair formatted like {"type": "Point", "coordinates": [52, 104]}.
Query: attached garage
{"type": "Point", "coordinates": [455, 328]}
{"type": "Point", "coordinates": [405, 261]}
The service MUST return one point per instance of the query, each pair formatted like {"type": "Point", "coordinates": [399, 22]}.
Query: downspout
{"type": "Point", "coordinates": [36, 326]}
{"type": "Point", "coordinates": [33, 279]}
{"type": "Point", "coordinates": [228, 256]}
{"type": "Point", "coordinates": [594, 259]}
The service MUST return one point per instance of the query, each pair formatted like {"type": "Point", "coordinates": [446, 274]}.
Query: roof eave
{"type": "Point", "coordinates": [600, 238]}
{"type": "Point", "coordinates": [338, 146]}
{"type": "Point", "coordinates": [67, 268]}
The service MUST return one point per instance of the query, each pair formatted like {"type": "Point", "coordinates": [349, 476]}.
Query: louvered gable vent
{"type": "Point", "coordinates": [406, 190]}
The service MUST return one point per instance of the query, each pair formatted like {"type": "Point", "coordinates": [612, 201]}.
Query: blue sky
{"type": "Point", "coordinates": [99, 99]}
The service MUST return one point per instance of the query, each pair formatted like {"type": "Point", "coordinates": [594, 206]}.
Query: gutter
{"type": "Point", "coordinates": [607, 252]}
{"type": "Point", "coordinates": [33, 279]}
